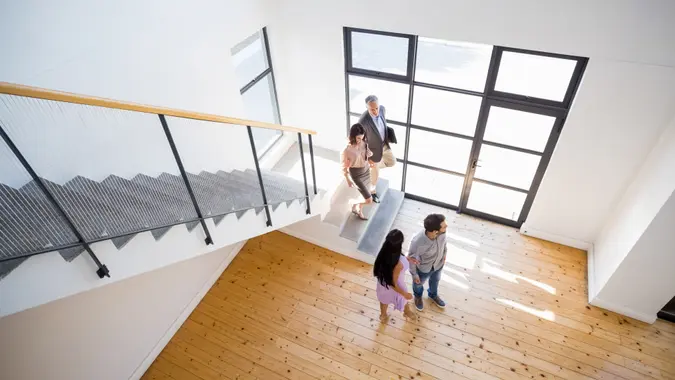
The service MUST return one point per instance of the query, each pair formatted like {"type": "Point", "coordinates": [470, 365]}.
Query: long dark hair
{"type": "Point", "coordinates": [356, 130]}
{"type": "Point", "coordinates": [388, 257]}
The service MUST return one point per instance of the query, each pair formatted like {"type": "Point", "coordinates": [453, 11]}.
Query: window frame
{"type": "Point", "coordinates": [260, 77]}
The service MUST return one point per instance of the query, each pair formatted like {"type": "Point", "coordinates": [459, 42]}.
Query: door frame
{"type": "Point", "coordinates": [489, 97]}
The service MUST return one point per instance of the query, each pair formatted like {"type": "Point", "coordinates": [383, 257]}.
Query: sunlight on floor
{"type": "Point", "coordinates": [460, 257]}
{"type": "Point", "coordinates": [454, 282]}
{"type": "Point", "coordinates": [546, 314]}
{"type": "Point", "coordinates": [492, 270]}
{"type": "Point", "coordinates": [456, 273]}
{"type": "Point", "coordinates": [461, 239]}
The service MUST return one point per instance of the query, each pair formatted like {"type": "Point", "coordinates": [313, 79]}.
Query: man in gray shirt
{"type": "Point", "coordinates": [429, 249]}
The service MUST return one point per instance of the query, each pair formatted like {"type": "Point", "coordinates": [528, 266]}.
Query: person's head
{"type": "Point", "coordinates": [356, 134]}
{"type": "Point", "coordinates": [388, 258]}
{"type": "Point", "coordinates": [373, 105]}
{"type": "Point", "coordinates": [434, 225]}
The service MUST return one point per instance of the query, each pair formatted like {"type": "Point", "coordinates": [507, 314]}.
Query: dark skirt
{"type": "Point", "coordinates": [361, 179]}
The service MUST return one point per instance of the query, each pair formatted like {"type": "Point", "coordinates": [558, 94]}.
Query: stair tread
{"type": "Point", "coordinates": [377, 230]}
{"type": "Point", "coordinates": [215, 199]}
{"type": "Point", "coordinates": [30, 221]}
{"type": "Point", "coordinates": [353, 227]}
{"type": "Point", "coordinates": [242, 198]}
{"type": "Point", "coordinates": [275, 195]}
{"type": "Point", "coordinates": [176, 196]}
{"type": "Point", "coordinates": [135, 214]}
{"type": "Point", "coordinates": [284, 181]}
{"type": "Point", "coordinates": [85, 201]}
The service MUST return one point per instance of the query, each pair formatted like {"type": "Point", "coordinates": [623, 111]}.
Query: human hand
{"type": "Point", "coordinates": [413, 260]}
{"type": "Point", "coordinates": [408, 296]}
{"type": "Point", "coordinates": [350, 183]}
{"type": "Point", "coordinates": [417, 280]}
{"type": "Point", "coordinates": [371, 163]}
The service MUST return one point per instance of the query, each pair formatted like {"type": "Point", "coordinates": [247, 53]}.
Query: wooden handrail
{"type": "Point", "coordinates": [41, 93]}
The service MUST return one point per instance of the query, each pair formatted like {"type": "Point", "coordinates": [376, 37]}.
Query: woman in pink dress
{"type": "Point", "coordinates": [390, 267]}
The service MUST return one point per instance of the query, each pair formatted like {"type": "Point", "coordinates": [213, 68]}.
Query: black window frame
{"type": "Point", "coordinates": [260, 77]}
{"type": "Point", "coordinates": [489, 97]}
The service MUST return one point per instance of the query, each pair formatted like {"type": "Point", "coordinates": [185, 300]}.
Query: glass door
{"type": "Point", "coordinates": [509, 160]}
{"type": "Point", "coordinates": [476, 124]}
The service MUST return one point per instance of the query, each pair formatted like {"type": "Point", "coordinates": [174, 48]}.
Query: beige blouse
{"type": "Point", "coordinates": [355, 156]}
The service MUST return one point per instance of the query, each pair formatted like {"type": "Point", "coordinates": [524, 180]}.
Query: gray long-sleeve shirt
{"type": "Point", "coordinates": [428, 252]}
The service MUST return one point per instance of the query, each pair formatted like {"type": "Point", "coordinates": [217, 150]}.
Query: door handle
{"type": "Point", "coordinates": [474, 164]}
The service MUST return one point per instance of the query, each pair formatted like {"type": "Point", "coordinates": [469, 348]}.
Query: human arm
{"type": "Point", "coordinates": [414, 258]}
{"type": "Point", "coordinates": [346, 163]}
{"type": "Point", "coordinates": [398, 272]}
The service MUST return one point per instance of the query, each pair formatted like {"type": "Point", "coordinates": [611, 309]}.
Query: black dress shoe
{"type": "Point", "coordinates": [376, 199]}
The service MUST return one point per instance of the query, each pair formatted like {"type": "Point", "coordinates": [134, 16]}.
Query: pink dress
{"type": "Point", "coordinates": [387, 295]}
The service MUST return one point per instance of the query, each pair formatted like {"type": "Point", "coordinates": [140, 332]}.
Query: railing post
{"type": "Point", "coordinates": [260, 179]}
{"type": "Point", "coordinates": [311, 157]}
{"type": "Point", "coordinates": [304, 172]}
{"type": "Point", "coordinates": [102, 270]}
{"type": "Point", "coordinates": [183, 174]}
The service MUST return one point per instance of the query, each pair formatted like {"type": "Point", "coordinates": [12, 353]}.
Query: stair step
{"type": "Point", "coordinates": [152, 208]}
{"type": "Point", "coordinates": [240, 194]}
{"type": "Point", "coordinates": [282, 181]}
{"type": "Point", "coordinates": [220, 200]}
{"type": "Point", "coordinates": [378, 228]}
{"type": "Point", "coordinates": [177, 198]}
{"type": "Point", "coordinates": [30, 221]}
{"type": "Point", "coordinates": [209, 199]}
{"type": "Point", "coordinates": [353, 227]}
{"type": "Point", "coordinates": [275, 196]}
{"type": "Point", "coordinates": [98, 204]}
{"type": "Point", "coordinates": [244, 185]}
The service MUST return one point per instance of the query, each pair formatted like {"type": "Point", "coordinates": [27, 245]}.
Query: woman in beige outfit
{"type": "Point", "coordinates": [356, 167]}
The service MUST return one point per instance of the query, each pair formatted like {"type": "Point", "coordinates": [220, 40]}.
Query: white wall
{"type": "Point", "coordinates": [643, 283]}
{"type": "Point", "coordinates": [624, 103]}
{"type": "Point", "coordinates": [108, 332]}
{"type": "Point", "coordinates": [165, 53]}
{"type": "Point", "coordinates": [617, 117]}
{"type": "Point", "coordinates": [646, 195]}
{"type": "Point", "coordinates": [630, 266]}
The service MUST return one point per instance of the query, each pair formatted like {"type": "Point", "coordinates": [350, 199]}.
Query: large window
{"type": "Point", "coordinates": [476, 124]}
{"type": "Point", "coordinates": [254, 74]}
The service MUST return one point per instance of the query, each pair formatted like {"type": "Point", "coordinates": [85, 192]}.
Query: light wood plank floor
{"type": "Point", "coordinates": [286, 309]}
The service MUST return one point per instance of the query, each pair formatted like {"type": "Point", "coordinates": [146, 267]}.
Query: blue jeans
{"type": "Point", "coordinates": [434, 278]}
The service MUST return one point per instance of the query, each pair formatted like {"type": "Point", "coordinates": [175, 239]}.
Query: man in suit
{"type": "Point", "coordinates": [377, 135]}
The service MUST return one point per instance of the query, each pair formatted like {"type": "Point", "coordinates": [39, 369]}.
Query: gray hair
{"type": "Point", "coordinates": [371, 98]}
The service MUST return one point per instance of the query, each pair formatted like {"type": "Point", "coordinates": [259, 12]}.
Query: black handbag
{"type": "Point", "coordinates": [391, 135]}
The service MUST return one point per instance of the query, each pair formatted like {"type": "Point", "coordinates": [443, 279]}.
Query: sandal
{"type": "Point", "coordinates": [359, 214]}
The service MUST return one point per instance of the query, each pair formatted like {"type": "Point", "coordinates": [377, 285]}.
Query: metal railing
{"type": "Point", "coordinates": [41, 216]}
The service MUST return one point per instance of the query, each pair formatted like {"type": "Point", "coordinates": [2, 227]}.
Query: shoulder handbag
{"type": "Point", "coordinates": [391, 135]}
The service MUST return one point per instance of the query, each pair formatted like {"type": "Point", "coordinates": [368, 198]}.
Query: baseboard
{"type": "Point", "coordinates": [354, 254]}
{"type": "Point", "coordinates": [164, 340]}
{"type": "Point", "coordinates": [590, 268]}
{"type": "Point", "coordinates": [624, 311]}
{"type": "Point", "coordinates": [564, 240]}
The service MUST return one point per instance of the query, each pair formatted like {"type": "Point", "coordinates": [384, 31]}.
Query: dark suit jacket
{"type": "Point", "coordinates": [375, 142]}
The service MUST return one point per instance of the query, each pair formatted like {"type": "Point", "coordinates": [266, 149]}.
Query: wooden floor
{"type": "Point", "coordinates": [517, 309]}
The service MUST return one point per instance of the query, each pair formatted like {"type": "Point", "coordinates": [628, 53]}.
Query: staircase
{"type": "Point", "coordinates": [134, 187]}
{"type": "Point", "coordinates": [121, 207]}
